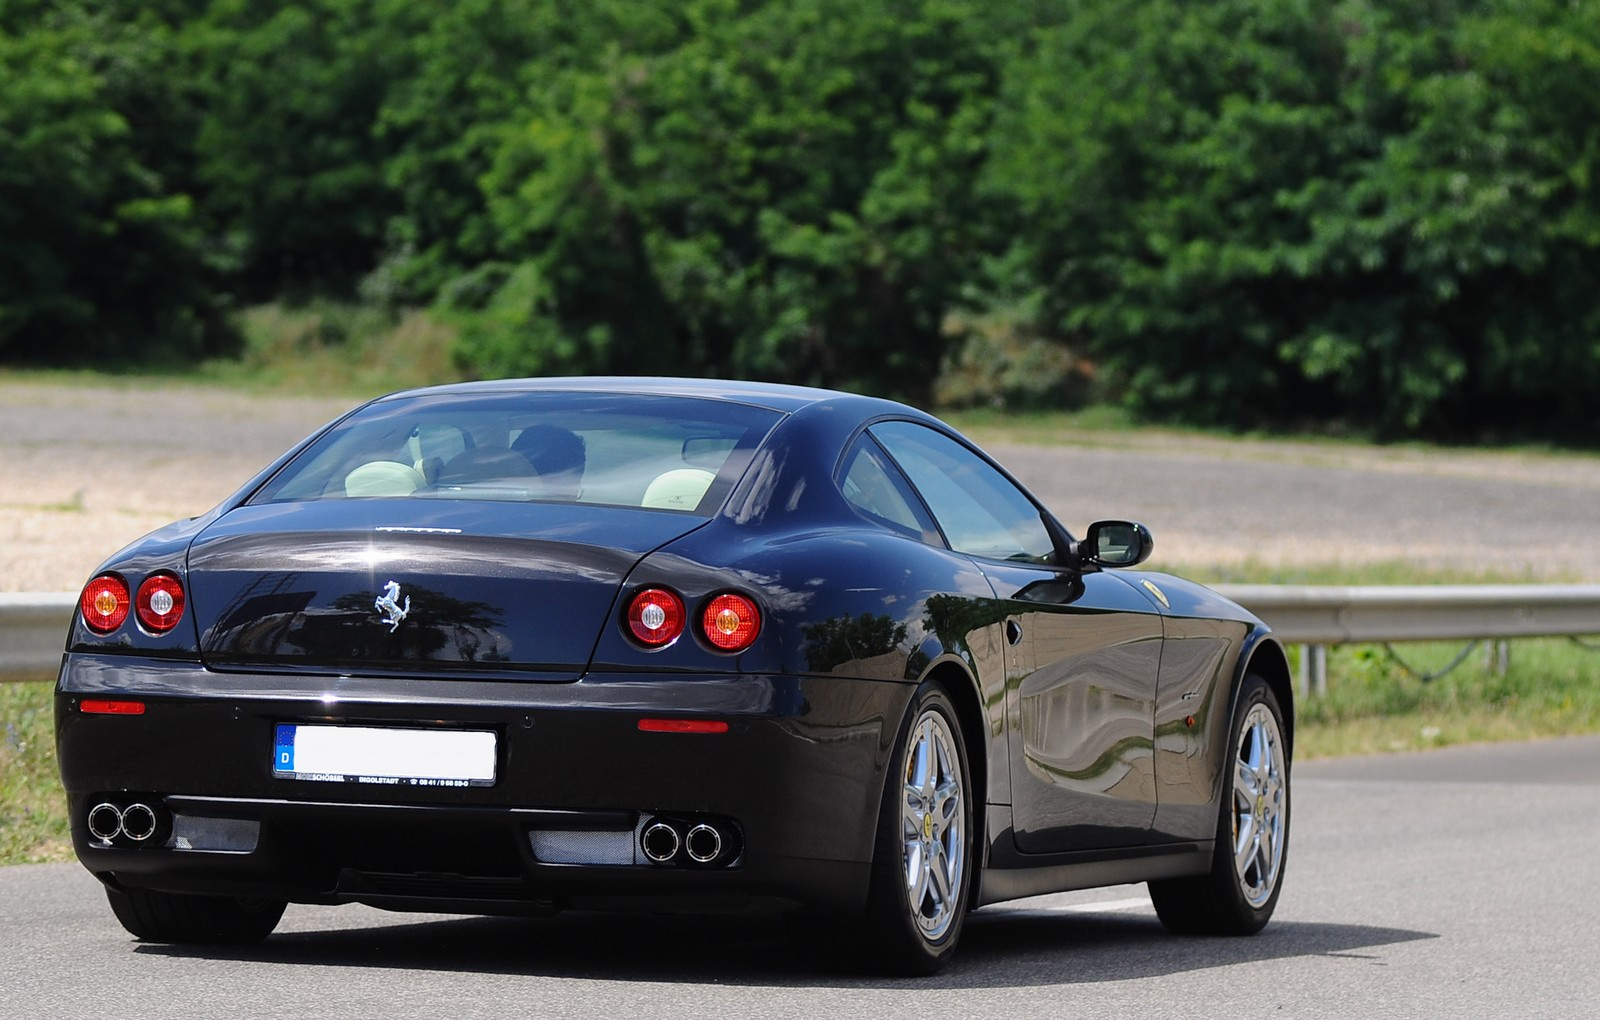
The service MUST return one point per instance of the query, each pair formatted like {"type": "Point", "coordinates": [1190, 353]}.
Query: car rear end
{"type": "Point", "coordinates": [424, 666]}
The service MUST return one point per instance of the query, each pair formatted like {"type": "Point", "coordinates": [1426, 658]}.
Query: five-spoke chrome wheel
{"type": "Point", "coordinates": [1239, 892]}
{"type": "Point", "coordinates": [922, 856]}
{"type": "Point", "coordinates": [1258, 805]}
{"type": "Point", "coordinates": [933, 826]}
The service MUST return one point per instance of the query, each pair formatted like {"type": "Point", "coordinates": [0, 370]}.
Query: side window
{"type": "Point", "coordinates": [981, 512]}
{"type": "Point", "coordinates": [875, 487]}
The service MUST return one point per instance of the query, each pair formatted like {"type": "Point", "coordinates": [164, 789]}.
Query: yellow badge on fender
{"type": "Point", "coordinates": [1161, 597]}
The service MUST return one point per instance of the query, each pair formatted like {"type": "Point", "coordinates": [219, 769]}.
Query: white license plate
{"type": "Point", "coordinates": [384, 755]}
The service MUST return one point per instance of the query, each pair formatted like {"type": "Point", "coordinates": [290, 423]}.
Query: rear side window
{"type": "Point", "coordinates": [876, 488]}
{"type": "Point", "coordinates": [667, 453]}
{"type": "Point", "coordinates": [980, 510]}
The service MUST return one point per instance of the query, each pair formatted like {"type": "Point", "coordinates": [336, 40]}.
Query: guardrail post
{"type": "Point", "coordinates": [1314, 670]}
{"type": "Point", "coordinates": [1497, 657]}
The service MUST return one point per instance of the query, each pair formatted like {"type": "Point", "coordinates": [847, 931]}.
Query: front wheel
{"type": "Point", "coordinates": [173, 917]}
{"type": "Point", "coordinates": [1239, 893]}
{"type": "Point", "coordinates": [922, 860]}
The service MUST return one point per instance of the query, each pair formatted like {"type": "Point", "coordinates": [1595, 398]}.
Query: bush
{"type": "Point", "coordinates": [1277, 210]}
{"type": "Point", "coordinates": [102, 259]}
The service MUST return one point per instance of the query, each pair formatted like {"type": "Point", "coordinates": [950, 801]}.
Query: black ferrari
{"type": "Point", "coordinates": [651, 644]}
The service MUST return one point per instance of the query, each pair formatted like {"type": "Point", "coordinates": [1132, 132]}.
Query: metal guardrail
{"type": "Point", "coordinates": [33, 628]}
{"type": "Point", "coordinates": [1317, 616]}
{"type": "Point", "coordinates": [33, 633]}
{"type": "Point", "coordinates": [1328, 615]}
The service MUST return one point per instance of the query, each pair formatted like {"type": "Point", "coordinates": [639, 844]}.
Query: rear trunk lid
{"type": "Point", "coordinates": [407, 586]}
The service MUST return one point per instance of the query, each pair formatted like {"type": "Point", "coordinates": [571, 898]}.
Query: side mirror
{"type": "Point", "coordinates": [1116, 544]}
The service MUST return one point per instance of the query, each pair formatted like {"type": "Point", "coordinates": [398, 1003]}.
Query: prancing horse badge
{"type": "Point", "coordinates": [389, 605]}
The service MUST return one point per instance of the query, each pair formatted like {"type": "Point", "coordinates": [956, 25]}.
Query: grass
{"type": "Point", "coordinates": [335, 348]}
{"type": "Point", "coordinates": [1375, 705]}
{"type": "Point", "coordinates": [33, 821]}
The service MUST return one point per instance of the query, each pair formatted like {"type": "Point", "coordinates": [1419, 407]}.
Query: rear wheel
{"type": "Point", "coordinates": [1239, 893]}
{"type": "Point", "coordinates": [922, 860]}
{"type": "Point", "coordinates": [173, 917]}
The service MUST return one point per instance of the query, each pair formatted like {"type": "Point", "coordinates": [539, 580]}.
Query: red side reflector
{"type": "Point", "coordinates": [93, 707]}
{"type": "Point", "coordinates": [683, 726]}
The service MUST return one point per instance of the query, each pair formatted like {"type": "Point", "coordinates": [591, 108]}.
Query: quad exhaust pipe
{"type": "Point", "coordinates": [688, 841]}
{"type": "Point", "coordinates": [661, 842]}
{"type": "Point", "coordinates": [105, 822]}
{"type": "Point", "coordinates": [137, 822]}
{"type": "Point", "coordinates": [703, 844]}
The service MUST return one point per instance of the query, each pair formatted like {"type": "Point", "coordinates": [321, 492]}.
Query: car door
{"type": "Point", "coordinates": [1084, 651]}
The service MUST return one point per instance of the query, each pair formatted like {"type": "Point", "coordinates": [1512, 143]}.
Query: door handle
{"type": "Point", "coordinates": [1013, 632]}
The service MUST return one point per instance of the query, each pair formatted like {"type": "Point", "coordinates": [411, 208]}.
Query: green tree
{"type": "Point", "coordinates": [782, 191]}
{"type": "Point", "coordinates": [101, 256]}
{"type": "Point", "coordinates": [288, 155]}
{"type": "Point", "coordinates": [1258, 210]}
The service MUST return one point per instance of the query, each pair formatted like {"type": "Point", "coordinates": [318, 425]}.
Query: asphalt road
{"type": "Point", "coordinates": [1456, 883]}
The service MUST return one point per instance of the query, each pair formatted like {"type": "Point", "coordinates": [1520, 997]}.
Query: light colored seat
{"type": "Point", "coordinates": [678, 489]}
{"type": "Point", "coordinates": [382, 478]}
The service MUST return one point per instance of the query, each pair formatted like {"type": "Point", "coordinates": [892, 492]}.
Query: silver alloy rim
{"type": "Point", "coordinates": [933, 826]}
{"type": "Point", "coordinates": [1258, 806]}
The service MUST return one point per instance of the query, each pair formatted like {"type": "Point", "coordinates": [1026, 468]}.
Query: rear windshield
{"type": "Point", "coordinates": [667, 453]}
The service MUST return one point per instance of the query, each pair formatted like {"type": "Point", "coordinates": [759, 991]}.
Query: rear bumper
{"type": "Point", "coordinates": [794, 786]}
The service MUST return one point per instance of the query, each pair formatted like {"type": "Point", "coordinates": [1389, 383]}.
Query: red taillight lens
{"type": "Point", "coordinates": [104, 603]}
{"type": "Point", "coordinates": [160, 602]}
{"type": "Point", "coordinates": [656, 616]}
{"type": "Point", "coordinates": [731, 622]}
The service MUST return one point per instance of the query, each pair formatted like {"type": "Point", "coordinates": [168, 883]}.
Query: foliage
{"type": "Point", "coordinates": [101, 258]}
{"type": "Point", "coordinates": [1364, 215]}
{"type": "Point", "coordinates": [336, 347]}
{"type": "Point", "coordinates": [1272, 209]}
{"type": "Point", "coordinates": [1000, 360]}
{"type": "Point", "coordinates": [287, 154]}
{"type": "Point", "coordinates": [773, 191]}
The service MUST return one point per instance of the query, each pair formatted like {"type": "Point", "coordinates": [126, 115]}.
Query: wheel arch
{"type": "Point", "coordinates": [962, 689]}
{"type": "Point", "coordinates": [1265, 657]}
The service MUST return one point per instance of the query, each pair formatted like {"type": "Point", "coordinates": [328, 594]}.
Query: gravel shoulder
{"type": "Point", "coordinates": [91, 467]}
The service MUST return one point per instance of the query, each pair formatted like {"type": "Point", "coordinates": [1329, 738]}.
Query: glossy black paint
{"type": "Point", "coordinates": [1095, 703]}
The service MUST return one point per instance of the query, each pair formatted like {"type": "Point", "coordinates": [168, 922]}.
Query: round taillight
{"type": "Point", "coordinates": [731, 622]}
{"type": "Point", "coordinates": [655, 617]}
{"type": "Point", "coordinates": [160, 603]}
{"type": "Point", "coordinates": [104, 603]}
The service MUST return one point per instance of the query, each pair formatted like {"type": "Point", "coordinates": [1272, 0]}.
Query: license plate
{"type": "Point", "coordinates": [384, 755]}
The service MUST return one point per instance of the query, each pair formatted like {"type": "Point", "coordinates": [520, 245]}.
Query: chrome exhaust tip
{"type": "Point", "coordinates": [138, 822]}
{"type": "Point", "coordinates": [703, 844]}
{"type": "Point", "coordinates": [105, 822]}
{"type": "Point", "coordinates": [660, 842]}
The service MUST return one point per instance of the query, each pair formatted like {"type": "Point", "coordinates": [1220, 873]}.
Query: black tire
{"type": "Point", "coordinates": [922, 881]}
{"type": "Point", "coordinates": [1239, 893]}
{"type": "Point", "coordinates": [171, 917]}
